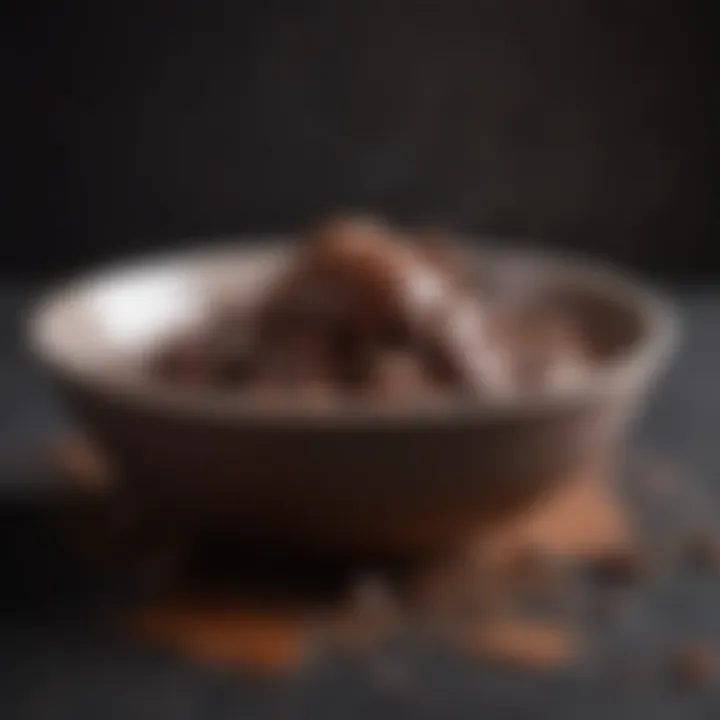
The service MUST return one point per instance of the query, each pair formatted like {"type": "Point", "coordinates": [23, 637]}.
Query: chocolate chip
{"type": "Point", "coordinates": [184, 362]}
{"type": "Point", "coordinates": [351, 357]}
{"type": "Point", "coordinates": [359, 291]}
{"type": "Point", "coordinates": [233, 361]}
{"type": "Point", "coordinates": [440, 365]}
{"type": "Point", "coordinates": [293, 360]}
{"type": "Point", "coordinates": [234, 370]}
{"type": "Point", "coordinates": [400, 374]}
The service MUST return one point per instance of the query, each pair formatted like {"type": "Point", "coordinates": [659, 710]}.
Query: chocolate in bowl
{"type": "Point", "coordinates": [412, 476]}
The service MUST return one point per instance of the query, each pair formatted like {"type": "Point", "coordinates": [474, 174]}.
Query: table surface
{"type": "Point", "coordinates": [52, 666]}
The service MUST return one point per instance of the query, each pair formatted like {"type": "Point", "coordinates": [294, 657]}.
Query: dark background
{"type": "Point", "coordinates": [583, 124]}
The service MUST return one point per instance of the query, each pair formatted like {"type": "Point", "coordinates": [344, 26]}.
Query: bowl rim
{"type": "Point", "coordinates": [646, 356]}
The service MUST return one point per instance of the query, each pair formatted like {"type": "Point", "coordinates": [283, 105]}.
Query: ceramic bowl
{"type": "Point", "coordinates": [408, 478]}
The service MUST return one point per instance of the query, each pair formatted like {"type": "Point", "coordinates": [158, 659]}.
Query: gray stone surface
{"type": "Point", "coordinates": [54, 667]}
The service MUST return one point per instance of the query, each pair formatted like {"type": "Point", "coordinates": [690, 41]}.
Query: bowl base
{"type": "Point", "coordinates": [227, 603]}
{"type": "Point", "coordinates": [582, 516]}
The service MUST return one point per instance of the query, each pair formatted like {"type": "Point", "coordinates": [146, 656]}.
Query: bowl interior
{"type": "Point", "coordinates": [104, 326]}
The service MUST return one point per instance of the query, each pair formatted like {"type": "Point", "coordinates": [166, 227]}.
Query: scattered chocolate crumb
{"type": "Point", "coordinates": [259, 641]}
{"type": "Point", "coordinates": [695, 664]}
{"type": "Point", "coordinates": [524, 642]}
